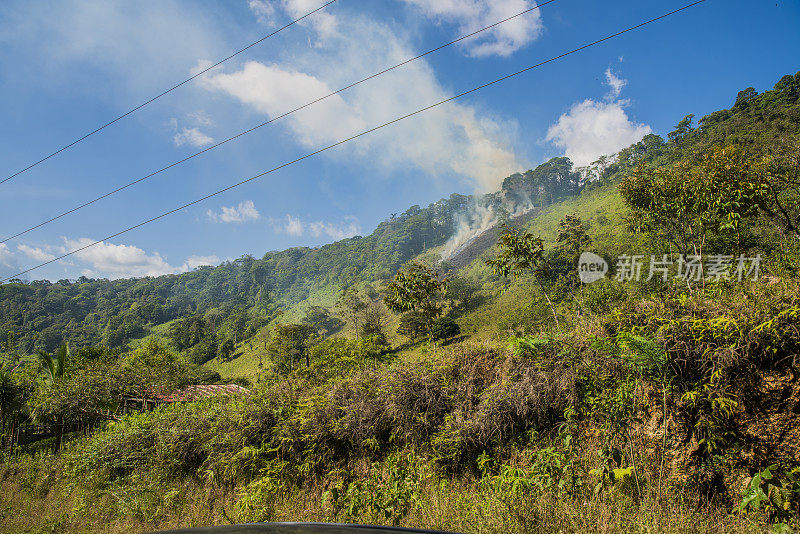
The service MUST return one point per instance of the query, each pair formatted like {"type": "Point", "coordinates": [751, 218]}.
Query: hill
{"type": "Point", "coordinates": [511, 399]}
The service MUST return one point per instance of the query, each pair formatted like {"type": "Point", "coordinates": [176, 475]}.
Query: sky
{"type": "Point", "coordinates": [69, 66]}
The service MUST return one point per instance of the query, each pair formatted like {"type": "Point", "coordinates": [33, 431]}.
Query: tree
{"type": "Point", "coordinates": [445, 328]}
{"type": "Point", "coordinates": [226, 349]}
{"type": "Point", "coordinates": [744, 97]}
{"type": "Point", "coordinates": [694, 201]}
{"type": "Point", "coordinates": [9, 396]}
{"type": "Point", "coordinates": [417, 287]}
{"type": "Point", "coordinates": [462, 292]}
{"type": "Point", "coordinates": [290, 342]}
{"type": "Point", "coordinates": [521, 252]}
{"type": "Point", "coordinates": [323, 323]}
{"type": "Point", "coordinates": [412, 325]}
{"type": "Point", "coordinates": [374, 321]}
{"type": "Point", "coordinates": [54, 367]}
{"type": "Point", "coordinates": [572, 236]}
{"type": "Point", "coordinates": [782, 203]}
{"type": "Point", "coordinates": [682, 130]}
{"type": "Point", "coordinates": [572, 240]}
{"type": "Point", "coordinates": [350, 305]}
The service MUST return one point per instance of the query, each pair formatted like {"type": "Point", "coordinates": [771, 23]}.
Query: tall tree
{"type": "Point", "coordinates": [521, 252]}
{"type": "Point", "coordinates": [417, 287]}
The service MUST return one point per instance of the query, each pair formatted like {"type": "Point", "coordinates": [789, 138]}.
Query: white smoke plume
{"type": "Point", "coordinates": [484, 213]}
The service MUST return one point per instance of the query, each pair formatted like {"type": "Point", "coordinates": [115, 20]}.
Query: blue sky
{"type": "Point", "coordinates": [68, 66]}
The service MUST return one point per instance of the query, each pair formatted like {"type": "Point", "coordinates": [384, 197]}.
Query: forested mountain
{"type": "Point", "coordinates": [514, 397]}
{"type": "Point", "coordinates": [40, 314]}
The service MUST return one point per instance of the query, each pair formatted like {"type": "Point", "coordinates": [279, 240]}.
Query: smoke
{"type": "Point", "coordinates": [469, 224]}
{"type": "Point", "coordinates": [484, 213]}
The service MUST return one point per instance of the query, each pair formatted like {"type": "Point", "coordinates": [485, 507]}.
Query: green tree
{"type": "Point", "coordinates": [572, 236]}
{"type": "Point", "coordinates": [351, 306]}
{"type": "Point", "coordinates": [417, 287]}
{"type": "Point", "coordinates": [323, 323]}
{"type": "Point", "coordinates": [290, 342]}
{"type": "Point", "coordinates": [54, 367]}
{"type": "Point", "coordinates": [708, 198]}
{"type": "Point", "coordinates": [9, 396]}
{"type": "Point", "coordinates": [445, 328]}
{"type": "Point", "coordinates": [521, 252]}
{"type": "Point", "coordinates": [682, 130]}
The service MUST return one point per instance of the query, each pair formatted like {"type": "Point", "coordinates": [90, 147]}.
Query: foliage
{"type": "Point", "coordinates": [699, 203]}
{"type": "Point", "coordinates": [417, 287]}
{"type": "Point", "coordinates": [386, 495]}
{"type": "Point", "coordinates": [290, 344]}
{"type": "Point", "coordinates": [444, 328]}
{"type": "Point", "coordinates": [778, 497]}
{"type": "Point", "coordinates": [521, 252]}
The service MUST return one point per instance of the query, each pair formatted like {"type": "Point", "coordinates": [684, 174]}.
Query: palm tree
{"type": "Point", "coordinates": [54, 369]}
{"type": "Point", "coordinates": [54, 366]}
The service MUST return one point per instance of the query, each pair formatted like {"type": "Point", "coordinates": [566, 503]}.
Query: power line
{"type": "Point", "coordinates": [187, 80]}
{"type": "Point", "coordinates": [240, 134]}
{"type": "Point", "coordinates": [365, 132]}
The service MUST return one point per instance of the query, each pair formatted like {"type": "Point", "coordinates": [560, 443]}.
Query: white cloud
{"type": "Point", "coordinates": [244, 212]}
{"type": "Point", "coordinates": [348, 228]}
{"type": "Point", "coordinates": [591, 129]}
{"type": "Point", "coordinates": [449, 139]}
{"type": "Point", "coordinates": [296, 227]}
{"type": "Point", "coordinates": [324, 23]}
{"type": "Point", "coordinates": [200, 118]}
{"type": "Point", "coordinates": [9, 266]}
{"type": "Point", "coordinates": [192, 262]}
{"type": "Point", "coordinates": [193, 137]}
{"type": "Point", "coordinates": [293, 226]}
{"type": "Point", "coordinates": [264, 11]}
{"type": "Point", "coordinates": [126, 261]}
{"type": "Point", "coordinates": [35, 253]}
{"type": "Point", "coordinates": [273, 91]}
{"type": "Point", "coordinates": [119, 261]}
{"type": "Point", "coordinates": [472, 15]}
{"type": "Point", "coordinates": [616, 84]}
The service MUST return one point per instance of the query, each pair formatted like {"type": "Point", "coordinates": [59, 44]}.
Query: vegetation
{"type": "Point", "coordinates": [661, 402]}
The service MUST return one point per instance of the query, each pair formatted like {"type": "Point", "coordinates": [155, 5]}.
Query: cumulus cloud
{"type": "Point", "coordinates": [450, 139]}
{"type": "Point", "coordinates": [591, 129]}
{"type": "Point", "coordinates": [348, 228]}
{"type": "Point", "coordinates": [193, 137]}
{"type": "Point", "coordinates": [472, 15]}
{"type": "Point", "coordinates": [296, 227]}
{"type": "Point", "coordinates": [119, 261]}
{"type": "Point", "coordinates": [127, 261]}
{"type": "Point", "coordinates": [244, 212]}
{"type": "Point", "coordinates": [35, 253]}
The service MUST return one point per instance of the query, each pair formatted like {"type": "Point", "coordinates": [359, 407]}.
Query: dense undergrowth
{"type": "Point", "coordinates": [637, 418]}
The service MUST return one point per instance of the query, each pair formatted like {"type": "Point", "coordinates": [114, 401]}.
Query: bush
{"type": "Point", "coordinates": [444, 328]}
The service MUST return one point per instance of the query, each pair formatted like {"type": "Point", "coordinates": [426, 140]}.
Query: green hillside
{"type": "Point", "coordinates": [388, 386]}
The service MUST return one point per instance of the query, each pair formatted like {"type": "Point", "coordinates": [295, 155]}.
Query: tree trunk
{"type": "Point", "coordinates": [59, 435]}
